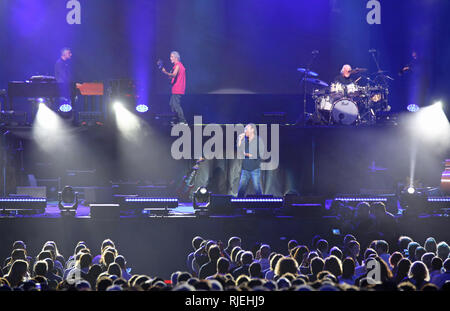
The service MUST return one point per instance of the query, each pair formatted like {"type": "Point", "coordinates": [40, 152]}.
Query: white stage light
{"type": "Point", "coordinates": [128, 123]}
{"type": "Point", "coordinates": [432, 122]}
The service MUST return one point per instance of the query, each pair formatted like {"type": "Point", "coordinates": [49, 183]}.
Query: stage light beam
{"type": "Point", "coordinates": [432, 122]}
{"type": "Point", "coordinates": [128, 123]}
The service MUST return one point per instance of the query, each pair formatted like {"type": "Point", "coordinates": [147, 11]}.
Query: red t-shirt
{"type": "Point", "coordinates": [179, 82]}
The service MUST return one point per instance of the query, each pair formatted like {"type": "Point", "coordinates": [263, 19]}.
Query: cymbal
{"type": "Point", "coordinates": [381, 72]}
{"type": "Point", "coordinates": [358, 70]}
{"type": "Point", "coordinates": [310, 73]}
{"type": "Point", "coordinates": [317, 82]}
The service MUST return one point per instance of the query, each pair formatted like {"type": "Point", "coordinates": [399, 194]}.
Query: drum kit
{"type": "Point", "coordinates": [350, 104]}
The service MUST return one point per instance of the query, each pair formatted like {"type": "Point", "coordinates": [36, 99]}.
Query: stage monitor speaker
{"type": "Point", "coordinates": [105, 211]}
{"type": "Point", "coordinates": [303, 206]}
{"type": "Point", "coordinates": [221, 205]}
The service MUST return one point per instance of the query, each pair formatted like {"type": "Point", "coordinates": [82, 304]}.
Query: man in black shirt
{"type": "Point", "coordinates": [251, 146]}
{"type": "Point", "coordinates": [63, 70]}
{"type": "Point", "coordinates": [63, 75]}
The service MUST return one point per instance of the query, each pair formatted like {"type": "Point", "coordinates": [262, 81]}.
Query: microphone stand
{"type": "Point", "coordinates": [4, 161]}
{"type": "Point", "coordinates": [305, 75]}
{"type": "Point", "coordinates": [383, 77]}
{"type": "Point", "coordinates": [379, 69]}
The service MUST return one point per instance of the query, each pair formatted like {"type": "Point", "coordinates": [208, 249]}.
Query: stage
{"type": "Point", "coordinates": [312, 160]}
{"type": "Point", "coordinates": [320, 161]}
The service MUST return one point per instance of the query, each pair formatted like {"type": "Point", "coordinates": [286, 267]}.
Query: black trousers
{"type": "Point", "coordinates": [175, 106]}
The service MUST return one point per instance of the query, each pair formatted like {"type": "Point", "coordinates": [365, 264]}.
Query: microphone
{"type": "Point", "coordinates": [372, 51]}
{"type": "Point", "coordinates": [315, 52]}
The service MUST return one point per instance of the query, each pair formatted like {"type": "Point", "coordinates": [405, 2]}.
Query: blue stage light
{"type": "Point", "coordinates": [361, 199]}
{"type": "Point", "coordinates": [23, 200]}
{"type": "Point", "coordinates": [413, 108]}
{"type": "Point", "coordinates": [65, 108]}
{"type": "Point", "coordinates": [438, 199]}
{"type": "Point", "coordinates": [255, 200]}
{"type": "Point", "coordinates": [141, 108]}
{"type": "Point", "coordinates": [151, 200]}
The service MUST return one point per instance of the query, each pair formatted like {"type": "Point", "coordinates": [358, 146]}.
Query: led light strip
{"type": "Point", "coordinates": [438, 199]}
{"type": "Point", "coordinates": [151, 200]}
{"type": "Point", "coordinates": [354, 199]}
{"type": "Point", "coordinates": [23, 200]}
{"type": "Point", "coordinates": [256, 200]}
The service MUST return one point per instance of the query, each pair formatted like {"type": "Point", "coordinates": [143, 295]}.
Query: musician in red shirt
{"type": "Point", "coordinates": [178, 75]}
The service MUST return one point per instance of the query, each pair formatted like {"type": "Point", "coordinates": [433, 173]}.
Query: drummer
{"type": "Point", "coordinates": [345, 76]}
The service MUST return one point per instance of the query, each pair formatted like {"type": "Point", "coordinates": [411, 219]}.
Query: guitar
{"type": "Point", "coordinates": [185, 189]}
{"type": "Point", "coordinates": [160, 65]}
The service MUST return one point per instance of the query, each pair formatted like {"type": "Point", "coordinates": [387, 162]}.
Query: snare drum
{"type": "Point", "coordinates": [345, 111]}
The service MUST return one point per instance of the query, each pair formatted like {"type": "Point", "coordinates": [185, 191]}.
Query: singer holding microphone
{"type": "Point", "coordinates": [252, 147]}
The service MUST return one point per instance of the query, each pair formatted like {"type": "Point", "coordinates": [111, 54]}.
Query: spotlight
{"type": "Point", "coordinates": [117, 105]}
{"type": "Point", "coordinates": [141, 108]}
{"type": "Point", "coordinates": [40, 100]}
{"type": "Point", "coordinates": [202, 190]}
{"type": "Point", "coordinates": [65, 108]}
{"type": "Point", "coordinates": [413, 201]}
{"type": "Point", "coordinates": [65, 104]}
{"type": "Point", "coordinates": [68, 201]}
{"type": "Point", "coordinates": [201, 195]}
{"type": "Point", "coordinates": [432, 123]}
{"type": "Point", "coordinates": [413, 108]}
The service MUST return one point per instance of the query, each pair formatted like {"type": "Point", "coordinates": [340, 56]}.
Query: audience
{"type": "Point", "coordinates": [403, 265]}
{"type": "Point", "coordinates": [210, 267]}
{"type": "Point", "coordinates": [264, 252]}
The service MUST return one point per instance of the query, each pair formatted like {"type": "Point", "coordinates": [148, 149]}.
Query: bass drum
{"type": "Point", "coordinates": [345, 111]}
